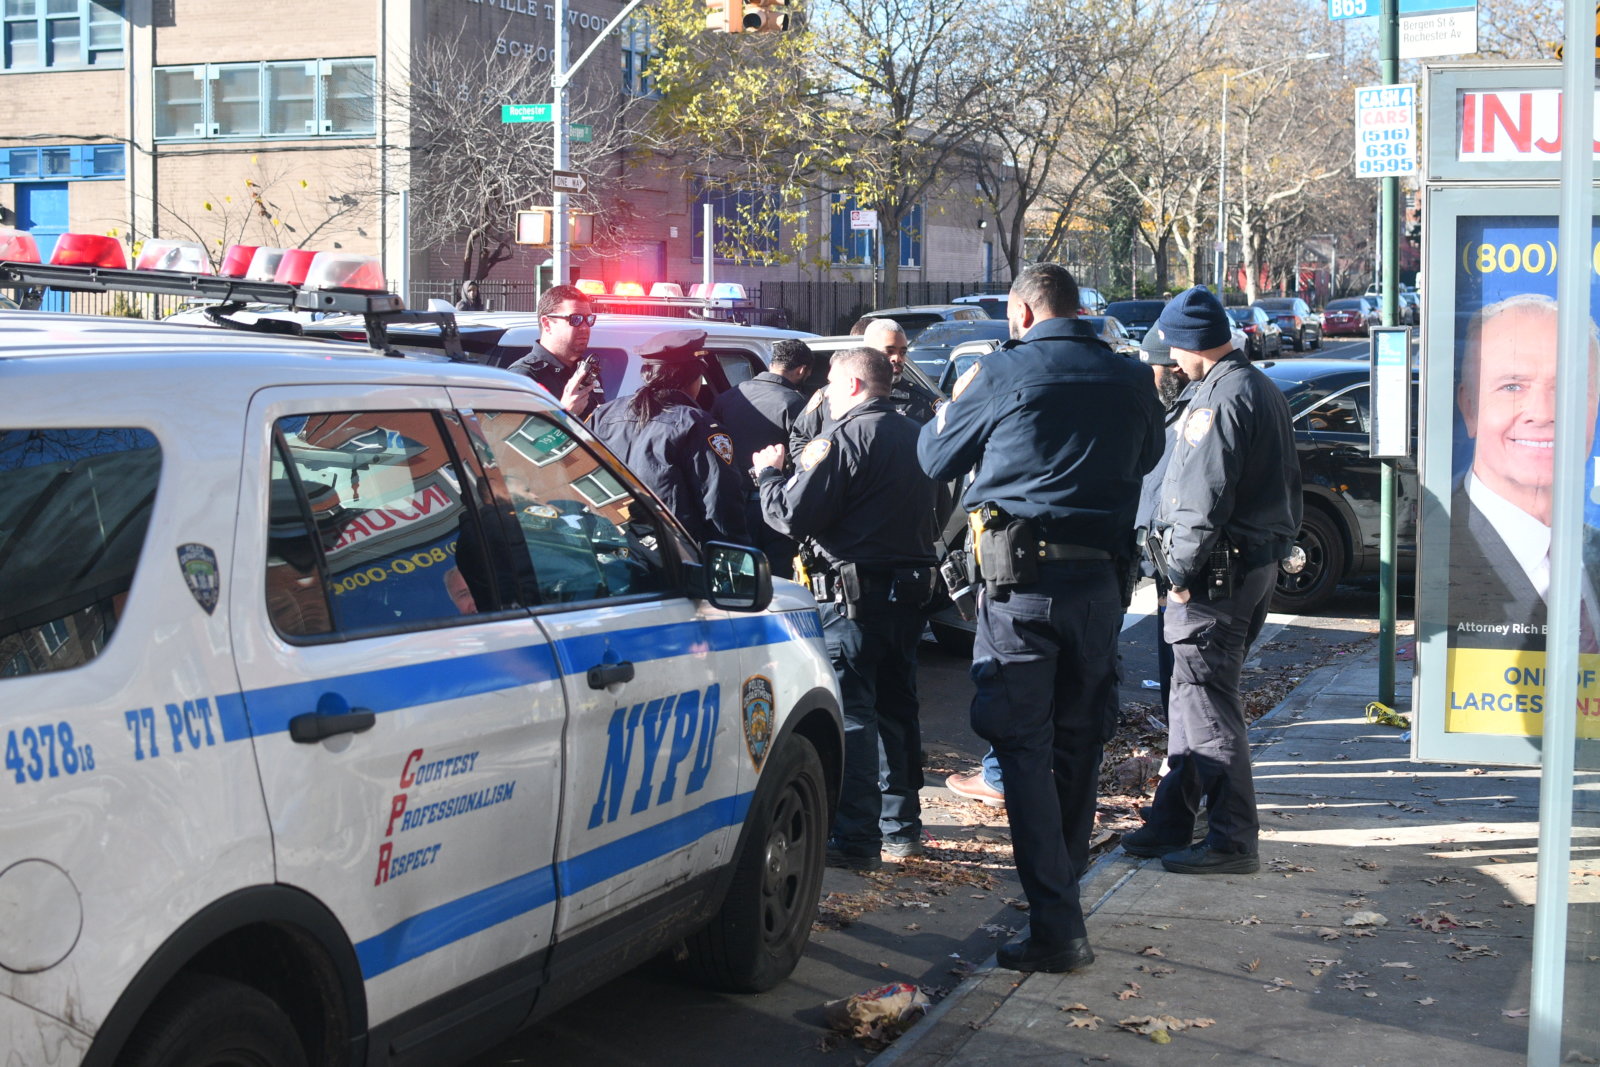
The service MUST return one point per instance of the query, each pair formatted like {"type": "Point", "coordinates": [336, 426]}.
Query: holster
{"type": "Point", "coordinates": [1220, 567]}
{"type": "Point", "coordinates": [1155, 550]}
{"type": "Point", "coordinates": [911, 585]}
{"type": "Point", "coordinates": [1005, 549]}
{"type": "Point", "coordinates": [956, 571]}
{"type": "Point", "coordinates": [1127, 564]}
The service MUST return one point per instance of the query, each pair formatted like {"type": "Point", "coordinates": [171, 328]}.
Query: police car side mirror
{"type": "Point", "coordinates": [736, 578]}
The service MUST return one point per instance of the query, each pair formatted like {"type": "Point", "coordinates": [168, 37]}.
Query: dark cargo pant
{"type": "Point", "coordinates": [1208, 747]}
{"type": "Point", "coordinates": [1045, 666]}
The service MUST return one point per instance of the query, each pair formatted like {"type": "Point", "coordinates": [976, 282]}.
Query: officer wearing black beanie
{"type": "Point", "coordinates": [1229, 510]}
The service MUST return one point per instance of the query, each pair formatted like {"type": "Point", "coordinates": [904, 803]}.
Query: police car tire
{"type": "Point", "coordinates": [208, 1021]}
{"type": "Point", "coordinates": [760, 932]}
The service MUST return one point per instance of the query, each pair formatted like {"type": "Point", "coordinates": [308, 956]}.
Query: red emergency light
{"type": "Point", "coordinates": [293, 266]}
{"type": "Point", "coordinates": [18, 247]}
{"type": "Point", "coordinates": [236, 260]}
{"type": "Point", "coordinates": [627, 289]}
{"type": "Point", "coordinates": [88, 250]}
{"type": "Point", "coordinates": [591, 286]}
{"type": "Point", "coordinates": [187, 257]}
{"type": "Point", "coordinates": [340, 270]}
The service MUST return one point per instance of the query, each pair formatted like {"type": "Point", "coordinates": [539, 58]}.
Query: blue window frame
{"type": "Point", "coordinates": [911, 239]}
{"type": "Point", "coordinates": [61, 34]}
{"type": "Point", "coordinates": [849, 246]}
{"type": "Point", "coordinates": [260, 101]}
{"type": "Point", "coordinates": [636, 55]}
{"type": "Point", "coordinates": [54, 163]}
{"type": "Point", "coordinates": [742, 218]}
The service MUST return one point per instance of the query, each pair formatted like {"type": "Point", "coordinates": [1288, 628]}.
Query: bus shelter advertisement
{"type": "Point", "coordinates": [1502, 467]}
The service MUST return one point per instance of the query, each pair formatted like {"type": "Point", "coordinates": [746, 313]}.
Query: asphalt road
{"type": "Point", "coordinates": [925, 925]}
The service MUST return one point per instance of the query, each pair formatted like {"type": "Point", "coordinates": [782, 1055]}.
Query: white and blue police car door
{"type": "Point", "coordinates": [650, 780]}
{"type": "Point", "coordinates": [407, 713]}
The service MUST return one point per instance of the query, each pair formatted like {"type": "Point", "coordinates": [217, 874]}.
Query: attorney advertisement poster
{"type": "Point", "coordinates": [1488, 472]}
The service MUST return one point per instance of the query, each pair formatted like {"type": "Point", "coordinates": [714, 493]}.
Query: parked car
{"type": "Point", "coordinates": [1353, 315]}
{"type": "Point", "coordinates": [1136, 315]}
{"type": "Point", "coordinates": [324, 681]}
{"type": "Point", "coordinates": [1302, 328]}
{"type": "Point", "coordinates": [914, 319]}
{"type": "Point", "coordinates": [932, 347]}
{"type": "Point", "coordinates": [1411, 304]}
{"type": "Point", "coordinates": [1263, 337]}
{"type": "Point", "coordinates": [993, 304]}
{"type": "Point", "coordinates": [1113, 333]}
{"type": "Point", "coordinates": [1330, 402]}
{"type": "Point", "coordinates": [1090, 301]}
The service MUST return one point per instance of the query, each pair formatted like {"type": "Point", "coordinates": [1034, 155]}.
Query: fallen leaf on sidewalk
{"type": "Point", "coordinates": [1352, 985]}
{"type": "Point", "coordinates": [1249, 920]}
{"type": "Point", "coordinates": [1474, 770]}
{"type": "Point", "coordinates": [1366, 865]}
{"type": "Point", "coordinates": [1074, 1007]}
{"type": "Point", "coordinates": [1149, 1024]}
{"type": "Point", "coordinates": [1514, 1013]}
{"type": "Point", "coordinates": [1085, 1022]}
{"type": "Point", "coordinates": [1577, 1057]}
{"type": "Point", "coordinates": [1498, 859]}
{"type": "Point", "coordinates": [1405, 965]}
{"type": "Point", "coordinates": [1426, 1001]}
{"type": "Point", "coordinates": [1277, 984]}
{"type": "Point", "coordinates": [1131, 993]}
{"type": "Point", "coordinates": [1157, 971]}
{"type": "Point", "coordinates": [1363, 932]}
{"type": "Point", "coordinates": [1328, 933]}
{"type": "Point", "coordinates": [1436, 924]}
{"type": "Point", "coordinates": [1279, 865]}
{"type": "Point", "coordinates": [1253, 966]}
{"type": "Point", "coordinates": [1151, 950]}
{"type": "Point", "coordinates": [1367, 918]}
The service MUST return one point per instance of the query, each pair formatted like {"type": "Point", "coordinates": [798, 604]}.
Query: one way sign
{"type": "Point", "coordinates": [564, 181]}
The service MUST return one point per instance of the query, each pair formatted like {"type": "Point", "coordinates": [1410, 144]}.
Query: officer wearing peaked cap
{"type": "Point", "coordinates": [1229, 510]}
{"type": "Point", "coordinates": [672, 445]}
{"type": "Point", "coordinates": [1061, 430]}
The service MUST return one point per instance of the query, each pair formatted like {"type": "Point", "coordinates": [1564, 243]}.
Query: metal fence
{"type": "Point", "coordinates": [121, 305]}
{"type": "Point", "coordinates": [499, 294]}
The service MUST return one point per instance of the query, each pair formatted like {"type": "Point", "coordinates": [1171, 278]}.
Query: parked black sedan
{"type": "Point", "coordinates": [1136, 315]}
{"type": "Point", "coordinates": [1330, 402]}
{"type": "Point", "coordinates": [1263, 337]}
{"type": "Point", "coordinates": [1302, 328]}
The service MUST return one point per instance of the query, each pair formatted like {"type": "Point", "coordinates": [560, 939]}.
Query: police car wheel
{"type": "Point", "coordinates": [1320, 557]}
{"type": "Point", "coordinates": [208, 1021]}
{"type": "Point", "coordinates": [758, 936]}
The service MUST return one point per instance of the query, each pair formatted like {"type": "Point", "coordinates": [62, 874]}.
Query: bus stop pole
{"type": "Point", "coordinates": [1388, 579]}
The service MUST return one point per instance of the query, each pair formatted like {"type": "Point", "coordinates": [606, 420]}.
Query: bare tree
{"type": "Point", "coordinates": [469, 173]}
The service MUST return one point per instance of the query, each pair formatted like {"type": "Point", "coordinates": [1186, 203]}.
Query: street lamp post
{"type": "Point", "coordinates": [1222, 160]}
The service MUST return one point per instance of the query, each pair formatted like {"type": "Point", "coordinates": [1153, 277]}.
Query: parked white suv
{"type": "Point", "coordinates": [360, 710]}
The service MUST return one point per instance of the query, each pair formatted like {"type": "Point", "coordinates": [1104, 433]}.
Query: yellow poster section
{"type": "Point", "coordinates": [1501, 691]}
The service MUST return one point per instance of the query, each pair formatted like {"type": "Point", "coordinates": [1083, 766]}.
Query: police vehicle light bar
{"type": "Point", "coordinates": [186, 256]}
{"type": "Point", "coordinates": [88, 250]}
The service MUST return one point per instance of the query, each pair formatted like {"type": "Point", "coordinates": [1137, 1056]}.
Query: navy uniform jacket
{"type": "Point", "coordinates": [1150, 491]}
{"type": "Point", "coordinates": [758, 413]}
{"type": "Point", "coordinates": [1061, 429]}
{"type": "Point", "coordinates": [686, 459]}
{"type": "Point", "coordinates": [857, 491]}
{"type": "Point", "coordinates": [543, 367]}
{"type": "Point", "coordinates": [1233, 470]}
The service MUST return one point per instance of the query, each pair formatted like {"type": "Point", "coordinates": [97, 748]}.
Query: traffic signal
{"type": "Point", "coordinates": [754, 16]}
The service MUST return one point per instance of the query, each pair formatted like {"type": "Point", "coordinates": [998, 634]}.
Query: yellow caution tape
{"type": "Point", "coordinates": [1384, 715]}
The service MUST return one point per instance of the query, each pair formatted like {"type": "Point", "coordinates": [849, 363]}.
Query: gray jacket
{"type": "Point", "coordinates": [1233, 471]}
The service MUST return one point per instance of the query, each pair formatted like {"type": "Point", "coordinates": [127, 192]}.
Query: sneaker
{"type": "Point", "coordinates": [852, 861]}
{"type": "Point", "coordinates": [972, 786]}
{"type": "Point", "coordinates": [1144, 842]}
{"type": "Point", "coordinates": [1202, 860]}
{"type": "Point", "coordinates": [900, 850]}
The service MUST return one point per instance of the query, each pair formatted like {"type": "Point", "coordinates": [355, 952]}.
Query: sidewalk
{"type": "Point", "coordinates": [1349, 825]}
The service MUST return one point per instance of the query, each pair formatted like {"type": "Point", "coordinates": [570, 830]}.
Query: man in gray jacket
{"type": "Point", "coordinates": [1229, 510]}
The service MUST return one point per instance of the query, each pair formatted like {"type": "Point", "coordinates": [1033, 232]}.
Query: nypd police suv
{"type": "Point", "coordinates": [356, 710]}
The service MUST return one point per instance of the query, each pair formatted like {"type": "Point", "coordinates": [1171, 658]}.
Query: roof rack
{"type": "Point", "coordinates": [380, 310]}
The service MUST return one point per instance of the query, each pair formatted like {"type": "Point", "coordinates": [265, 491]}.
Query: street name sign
{"type": "Point", "coordinates": [1427, 27]}
{"type": "Point", "coordinates": [525, 113]}
{"type": "Point", "coordinates": [1386, 131]}
{"type": "Point", "coordinates": [579, 133]}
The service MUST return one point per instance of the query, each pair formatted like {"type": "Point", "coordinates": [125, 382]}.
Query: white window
{"type": "Point", "coordinates": [300, 98]}
{"type": "Point", "coordinates": [61, 34]}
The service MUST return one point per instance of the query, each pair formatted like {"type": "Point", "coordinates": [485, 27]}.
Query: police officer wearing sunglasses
{"type": "Point", "coordinates": [565, 319]}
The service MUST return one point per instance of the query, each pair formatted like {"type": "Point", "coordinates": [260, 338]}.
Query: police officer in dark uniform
{"type": "Point", "coordinates": [863, 507]}
{"type": "Point", "coordinates": [673, 446]}
{"type": "Point", "coordinates": [1230, 507]}
{"type": "Point", "coordinates": [906, 395]}
{"type": "Point", "coordinates": [565, 318]}
{"type": "Point", "coordinates": [1061, 429]}
{"type": "Point", "coordinates": [761, 412]}
{"type": "Point", "coordinates": [1173, 389]}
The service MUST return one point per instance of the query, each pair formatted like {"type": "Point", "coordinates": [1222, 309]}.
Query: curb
{"type": "Point", "coordinates": [909, 1041]}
